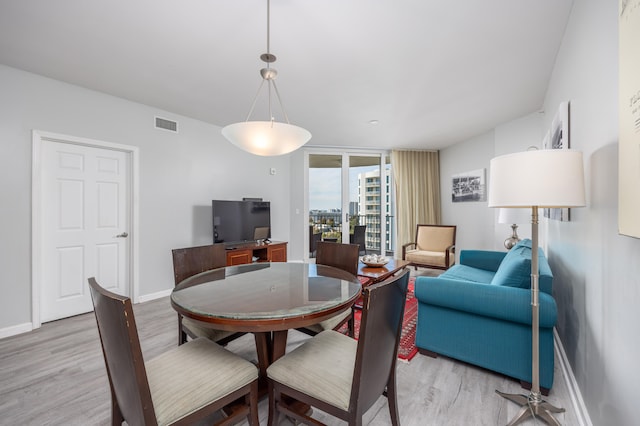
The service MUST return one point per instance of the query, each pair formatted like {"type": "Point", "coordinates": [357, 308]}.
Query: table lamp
{"type": "Point", "coordinates": [551, 178]}
{"type": "Point", "coordinates": [513, 217]}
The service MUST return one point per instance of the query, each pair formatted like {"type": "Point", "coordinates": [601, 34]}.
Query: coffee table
{"type": "Point", "coordinates": [381, 273]}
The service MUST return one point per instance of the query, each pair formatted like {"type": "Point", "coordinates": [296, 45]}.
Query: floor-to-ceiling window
{"type": "Point", "coordinates": [348, 190]}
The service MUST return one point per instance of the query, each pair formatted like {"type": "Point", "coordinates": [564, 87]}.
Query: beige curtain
{"type": "Point", "coordinates": [417, 180]}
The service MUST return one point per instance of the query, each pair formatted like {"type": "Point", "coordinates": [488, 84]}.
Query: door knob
{"type": "Point", "coordinates": [123, 235]}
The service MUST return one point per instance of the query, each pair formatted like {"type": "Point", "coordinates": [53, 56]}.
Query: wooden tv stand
{"type": "Point", "coordinates": [275, 251]}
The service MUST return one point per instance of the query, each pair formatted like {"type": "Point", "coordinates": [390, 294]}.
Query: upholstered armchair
{"type": "Point", "coordinates": [434, 247]}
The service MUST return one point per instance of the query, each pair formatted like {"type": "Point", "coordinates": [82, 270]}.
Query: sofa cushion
{"type": "Point", "coordinates": [515, 268]}
{"type": "Point", "coordinates": [468, 273]}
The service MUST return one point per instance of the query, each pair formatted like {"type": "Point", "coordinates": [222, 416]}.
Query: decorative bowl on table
{"type": "Point", "coordinates": [374, 260]}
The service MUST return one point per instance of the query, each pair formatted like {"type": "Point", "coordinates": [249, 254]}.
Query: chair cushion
{"type": "Point", "coordinates": [193, 375]}
{"type": "Point", "coordinates": [201, 331]}
{"type": "Point", "coordinates": [424, 257]}
{"type": "Point", "coordinates": [322, 367]}
{"type": "Point", "coordinates": [434, 238]}
{"type": "Point", "coordinates": [331, 323]}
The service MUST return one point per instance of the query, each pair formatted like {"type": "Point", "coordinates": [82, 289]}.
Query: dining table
{"type": "Point", "coordinates": [266, 299]}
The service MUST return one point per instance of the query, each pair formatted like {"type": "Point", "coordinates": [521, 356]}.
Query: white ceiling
{"type": "Point", "coordinates": [432, 72]}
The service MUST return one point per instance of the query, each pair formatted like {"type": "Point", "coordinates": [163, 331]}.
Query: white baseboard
{"type": "Point", "coordinates": [574, 391]}
{"type": "Point", "coordinates": [15, 329]}
{"type": "Point", "coordinates": [28, 326]}
{"type": "Point", "coordinates": [154, 296]}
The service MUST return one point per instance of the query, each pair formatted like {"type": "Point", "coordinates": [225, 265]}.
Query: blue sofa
{"type": "Point", "coordinates": [479, 312]}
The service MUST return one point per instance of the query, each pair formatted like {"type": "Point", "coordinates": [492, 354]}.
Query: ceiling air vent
{"type": "Point", "coordinates": [164, 124]}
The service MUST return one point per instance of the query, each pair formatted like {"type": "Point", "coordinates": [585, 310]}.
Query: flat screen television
{"type": "Point", "coordinates": [240, 221]}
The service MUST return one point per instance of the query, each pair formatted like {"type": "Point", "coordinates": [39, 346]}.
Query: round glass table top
{"type": "Point", "coordinates": [265, 291]}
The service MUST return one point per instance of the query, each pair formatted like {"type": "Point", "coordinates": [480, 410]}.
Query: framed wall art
{"type": "Point", "coordinates": [629, 116]}
{"type": "Point", "coordinates": [558, 138]}
{"type": "Point", "coordinates": [469, 186]}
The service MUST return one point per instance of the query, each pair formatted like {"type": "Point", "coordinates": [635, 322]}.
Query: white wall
{"type": "Point", "coordinates": [478, 226]}
{"type": "Point", "coordinates": [179, 176]}
{"type": "Point", "coordinates": [299, 225]}
{"type": "Point", "coordinates": [596, 270]}
{"type": "Point", "coordinates": [471, 218]}
{"type": "Point", "coordinates": [516, 136]}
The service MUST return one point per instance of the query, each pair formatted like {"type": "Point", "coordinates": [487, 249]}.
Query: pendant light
{"type": "Point", "coordinates": [267, 138]}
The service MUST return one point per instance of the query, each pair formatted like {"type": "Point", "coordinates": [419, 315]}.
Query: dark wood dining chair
{"type": "Point", "coordinates": [185, 384]}
{"type": "Point", "coordinates": [342, 376]}
{"type": "Point", "coordinates": [191, 261]}
{"type": "Point", "coordinates": [341, 256]}
{"type": "Point", "coordinates": [358, 237]}
{"type": "Point", "coordinates": [313, 241]}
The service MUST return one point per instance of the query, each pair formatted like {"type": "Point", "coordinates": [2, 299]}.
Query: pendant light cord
{"type": "Point", "coordinates": [271, 118]}
{"type": "Point", "coordinates": [268, 28]}
{"type": "Point", "coordinates": [268, 58]}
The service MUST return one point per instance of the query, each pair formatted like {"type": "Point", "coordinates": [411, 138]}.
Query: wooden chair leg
{"type": "Point", "coordinates": [182, 335]}
{"type": "Point", "coordinates": [392, 400]}
{"type": "Point", "coordinates": [273, 412]}
{"type": "Point", "coordinates": [252, 400]}
{"type": "Point", "coordinates": [351, 324]}
{"type": "Point", "coordinates": [116, 415]}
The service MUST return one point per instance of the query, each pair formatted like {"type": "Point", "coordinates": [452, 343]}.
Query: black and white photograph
{"type": "Point", "coordinates": [469, 186]}
{"type": "Point", "coordinates": [558, 138]}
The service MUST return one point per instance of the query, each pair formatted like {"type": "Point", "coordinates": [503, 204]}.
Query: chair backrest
{"type": "Point", "coordinates": [313, 239]}
{"type": "Point", "coordinates": [358, 236]}
{"type": "Point", "coordinates": [122, 355]}
{"type": "Point", "coordinates": [190, 261]}
{"type": "Point", "coordinates": [342, 256]}
{"type": "Point", "coordinates": [380, 329]}
{"type": "Point", "coordinates": [435, 237]}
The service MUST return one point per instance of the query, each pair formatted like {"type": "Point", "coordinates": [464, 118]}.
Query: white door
{"type": "Point", "coordinates": [85, 226]}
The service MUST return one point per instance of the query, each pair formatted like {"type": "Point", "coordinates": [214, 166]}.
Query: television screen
{"type": "Point", "coordinates": [240, 221]}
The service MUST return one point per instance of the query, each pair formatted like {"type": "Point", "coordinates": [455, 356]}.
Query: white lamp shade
{"type": "Point", "coordinates": [514, 216]}
{"type": "Point", "coordinates": [266, 137]}
{"type": "Point", "coordinates": [551, 178]}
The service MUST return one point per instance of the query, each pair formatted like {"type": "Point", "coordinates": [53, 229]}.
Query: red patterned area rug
{"type": "Point", "coordinates": [407, 349]}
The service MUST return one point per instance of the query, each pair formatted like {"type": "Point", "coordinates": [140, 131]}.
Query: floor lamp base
{"type": "Point", "coordinates": [532, 406]}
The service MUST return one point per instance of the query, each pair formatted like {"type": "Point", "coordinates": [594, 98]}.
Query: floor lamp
{"type": "Point", "coordinates": [552, 178]}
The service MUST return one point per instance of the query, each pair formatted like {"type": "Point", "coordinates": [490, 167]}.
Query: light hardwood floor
{"type": "Point", "coordinates": [55, 376]}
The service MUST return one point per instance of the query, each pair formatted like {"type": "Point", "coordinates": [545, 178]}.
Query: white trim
{"type": "Point", "coordinates": [40, 137]}
{"type": "Point", "coordinates": [572, 386]}
{"type": "Point", "coordinates": [15, 329]}
{"type": "Point", "coordinates": [305, 206]}
{"type": "Point", "coordinates": [154, 296]}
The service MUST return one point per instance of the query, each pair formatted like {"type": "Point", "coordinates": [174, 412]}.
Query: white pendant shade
{"type": "Point", "coordinates": [266, 138]}
{"type": "Point", "coordinates": [544, 178]}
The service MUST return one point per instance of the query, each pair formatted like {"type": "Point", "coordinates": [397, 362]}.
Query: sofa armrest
{"type": "Point", "coordinates": [503, 303]}
{"type": "Point", "coordinates": [482, 259]}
